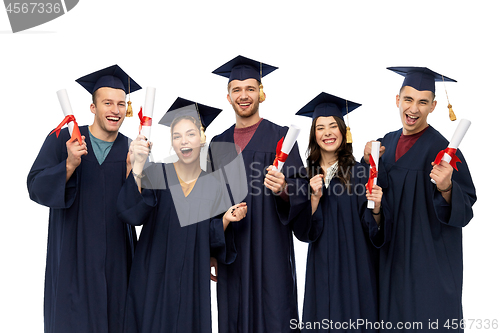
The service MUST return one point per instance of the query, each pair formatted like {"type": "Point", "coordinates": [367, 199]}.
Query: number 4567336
{"type": "Point", "coordinates": [471, 324]}
{"type": "Point", "coordinates": [33, 7]}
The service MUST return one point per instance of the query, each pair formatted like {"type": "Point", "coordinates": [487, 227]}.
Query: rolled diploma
{"type": "Point", "coordinates": [290, 139]}
{"type": "Point", "coordinates": [375, 155]}
{"type": "Point", "coordinates": [148, 110]}
{"type": "Point", "coordinates": [62, 95]}
{"type": "Point", "coordinates": [462, 128]}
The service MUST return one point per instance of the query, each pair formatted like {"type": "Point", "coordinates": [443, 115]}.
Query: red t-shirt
{"type": "Point", "coordinates": [243, 135]}
{"type": "Point", "coordinates": [406, 142]}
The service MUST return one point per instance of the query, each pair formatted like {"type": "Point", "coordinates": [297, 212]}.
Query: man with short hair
{"type": "Point", "coordinates": [420, 279]}
{"type": "Point", "coordinates": [258, 293]}
{"type": "Point", "coordinates": [89, 249]}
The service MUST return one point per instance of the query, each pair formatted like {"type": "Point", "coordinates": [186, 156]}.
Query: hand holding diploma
{"type": "Point", "coordinates": [448, 155]}
{"type": "Point", "coordinates": [372, 180]}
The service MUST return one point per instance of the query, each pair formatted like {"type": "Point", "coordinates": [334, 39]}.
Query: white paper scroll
{"type": "Point", "coordinates": [149, 104]}
{"type": "Point", "coordinates": [66, 107]}
{"type": "Point", "coordinates": [462, 128]}
{"type": "Point", "coordinates": [375, 155]}
{"type": "Point", "coordinates": [290, 139]}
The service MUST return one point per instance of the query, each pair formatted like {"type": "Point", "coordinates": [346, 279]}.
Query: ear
{"type": "Point", "coordinates": [229, 99]}
{"type": "Point", "coordinates": [93, 108]}
{"type": "Point", "coordinates": [433, 106]}
{"type": "Point", "coordinates": [397, 100]}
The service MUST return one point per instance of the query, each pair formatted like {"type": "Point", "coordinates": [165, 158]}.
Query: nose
{"type": "Point", "coordinates": [115, 109]}
{"type": "Point", "coordinates": [413, 107]}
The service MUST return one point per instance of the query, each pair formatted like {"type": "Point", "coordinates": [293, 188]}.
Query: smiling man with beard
{"type": "Point", "coordinates": [421, 271]}
{"type": "Point", "coordinates": [257, 293]}
{"type": "Point", "coordinates": [89, 249]}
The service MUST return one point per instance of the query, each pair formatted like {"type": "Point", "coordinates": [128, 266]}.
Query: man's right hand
{"type": "Point", "coordinates": [75, 152]}
{"type": "Point", "coordinates": [368, 151]}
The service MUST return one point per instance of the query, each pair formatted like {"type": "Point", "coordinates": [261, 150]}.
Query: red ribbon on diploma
{"type": "Point", "coordinates": [280, 156]}
{"type": "Point", "coordinates": [451, 152]}
{"type": "Point", "coordinates": [373, 174]}
{"type": "Point", "coordinates": [76, 135]}
{"type": "Point", "coordinates": [145, 121]}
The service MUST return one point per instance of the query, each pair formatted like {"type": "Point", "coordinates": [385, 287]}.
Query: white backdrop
{"type": "Point", "coordinates": [341, 49]}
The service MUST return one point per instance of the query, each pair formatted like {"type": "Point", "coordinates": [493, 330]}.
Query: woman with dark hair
{"type": "Point", "coordinates": [184, 213]}
{"type": "Point", "coordinates": [341, 278]}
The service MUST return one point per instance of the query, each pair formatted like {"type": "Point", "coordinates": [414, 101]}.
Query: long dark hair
{"type": "Point", "coordinates": [345, 157]}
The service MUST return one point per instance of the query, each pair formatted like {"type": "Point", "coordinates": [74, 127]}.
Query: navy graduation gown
{"type": "Point", "coordinates": [421, 268]}
{"type": "Point", "coordinates": [169, 288]}
{"type": "Point", "coordinates": [258, 292]}
{"type": "Point", "coordinates": [89, 249]}
{"type": "Point", "coordinates": [341, 274]}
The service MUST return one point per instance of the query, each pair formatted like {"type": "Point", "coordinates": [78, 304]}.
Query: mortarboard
{"type": "Point", "coordinates": [242, 68]}
{"type": "Point", "coordinates": [183, 107]}
{"type": "Point", "coordinates": [113, 77]}
{"type": "Point", "coordinates": [422, 78]}
{"type": "Point", "coordinates": [326, 105]}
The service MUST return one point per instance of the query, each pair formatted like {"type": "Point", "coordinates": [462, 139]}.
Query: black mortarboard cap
{"type": "Point", "coordinates": [184, 107]}
{"type": "Point", "coordinates": [242, 68]}
{"type": "Point", "coordinates": [420, 78]}
{"type": "Point", "coordinates": [112, 76]}
{"type": "Point", "coordinates": [326, 105]}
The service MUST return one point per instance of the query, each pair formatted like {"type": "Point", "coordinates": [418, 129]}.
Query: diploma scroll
{"type": "Point", "coordinates": [285, 146]}
{"type": "Point", "coordinates": [147, 119]}
{"type": "Point", "coordinates": [62, 95]}
{"type": "Point", "coordinates": [374, 159]}
{"type": "Point", "coordinates": [448, 155]}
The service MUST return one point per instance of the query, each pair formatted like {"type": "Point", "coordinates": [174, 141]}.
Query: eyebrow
{"type": "Point", "coordinates": [189, 130]}
{"type": "Point", "coordinates": [332, 123]}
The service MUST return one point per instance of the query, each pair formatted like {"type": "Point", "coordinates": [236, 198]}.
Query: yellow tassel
{"type": "Point", "coordinates": [130, 113]}
{"type": "Point", "coordinates": [262, 97]}
{"type": "Point", "coordinates": [348, 135]}
{"type": "Point", "coordinates": [203, 138]}
{"type": "Point", "coordinates": [452, 114]}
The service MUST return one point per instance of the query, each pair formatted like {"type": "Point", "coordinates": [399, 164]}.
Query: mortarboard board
{"type": "Point", "coordinates": [326, 105]}
{"type": "Point", "coordinates": [184, 107]}
{"type": "Point", "coordinates": [113, 77]}
{"type": "Point", "coordinates": [422, 78]}
{"type": "Point", "coordinates": [242, 68]}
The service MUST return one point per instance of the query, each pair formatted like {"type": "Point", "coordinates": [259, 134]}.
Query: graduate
{"type": "Point", "coordinates": [421, 268]}
{"type": "Point", "coordinates": [341, 280]}
{"type": "Point", "coordinates": [179, 206]}
{"type": "Point", "coordinates": [89, 249]}
{"type": "Point", "coordinates": [258, 293]}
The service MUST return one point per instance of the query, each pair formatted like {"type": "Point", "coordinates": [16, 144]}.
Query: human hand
{"type": "Point", "coordinates": [139, 150]}
{"type": "Point", "coordinates": [441, 173]}
{"type": "Point", "coordinates": [275, 180]}
{"type": "Point", "coordinates": [316, 184]}
{"type": "Point", "coordinates": [75, 152]}
{"type": "Point", "coordinates": [213, 264]}
{"type": "Point", "coordinates": [368, 151]}
{"type": "Point", "coordinates": [375, 196]}
{"type": "Point", "coordinates": [235, 213]}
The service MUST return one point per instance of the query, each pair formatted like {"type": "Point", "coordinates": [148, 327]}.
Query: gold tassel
{"type": "Point", "coordinates": [452, 114]}
{"type": "Point", "coordinates": [262, 97]}
{"type": "Point", "coordinates": [130, 113]}
{"type": "Point", "coordinates": [348, 135]}
{"type": "Point", "coordinates": [203, 138]}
